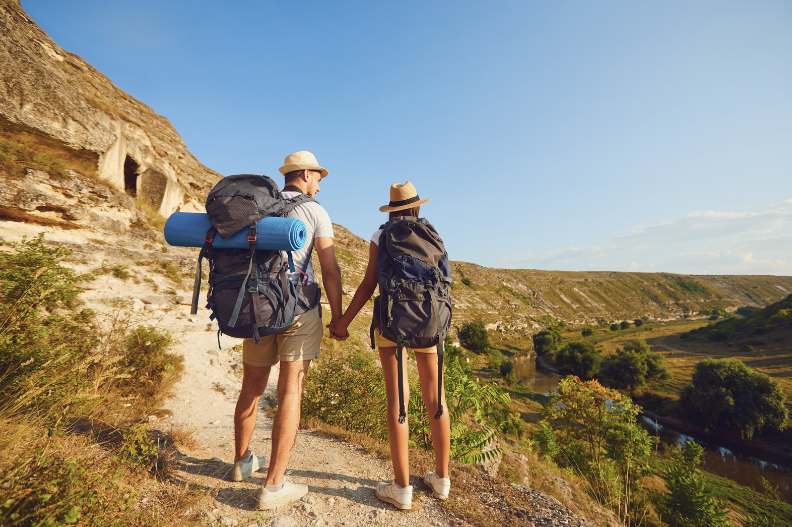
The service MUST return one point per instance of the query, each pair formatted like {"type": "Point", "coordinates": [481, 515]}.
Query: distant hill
{"type": "Point", "coordinates": [517, 301]}
{"type": "Point", "coordinates": [774, 318]}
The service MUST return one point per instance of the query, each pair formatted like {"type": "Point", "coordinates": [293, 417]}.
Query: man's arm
{"type": "Point", "coordinates": [331, 274]}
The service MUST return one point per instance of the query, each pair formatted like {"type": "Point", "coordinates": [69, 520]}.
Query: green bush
{"type": "Point", "coordinates": [624, 324]}
{"type": "Point", "coordinates": [346, 388]}
{"type": "Point", "coordinates": [689, 501]}
{"type": "Point", "coordinates": [587, 331]}
{"type": "Point", "coordinates": [467, 281]}
{"type": "Point", "coordinates": [578, 358]}
{"type": "Point", "coordinates": [638, 322]}
{"type": "Point", "coordinates": [546, 341]}
{"type": "Point", "coordinates": [633, 366]}
{"type": "Point", "coordinates": [506, 367]}
{"type": "Point", "coordinates": [595, 433]}
{"type": "Point", "coordinates": [474, 336]}
{"type": "Point", "coordinates": [727, 394]}
{"type": "Point", "coordinates": [615, 327]}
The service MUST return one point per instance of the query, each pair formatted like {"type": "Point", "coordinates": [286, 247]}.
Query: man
{"type": "Point", "coordinates": [294, 346]}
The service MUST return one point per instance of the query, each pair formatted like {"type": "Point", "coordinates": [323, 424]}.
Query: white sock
{"type": "Point", "coordinates": [275, 488]}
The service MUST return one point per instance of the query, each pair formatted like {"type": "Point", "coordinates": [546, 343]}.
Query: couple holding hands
{"type": "Point", "coordinates": [298, 344]}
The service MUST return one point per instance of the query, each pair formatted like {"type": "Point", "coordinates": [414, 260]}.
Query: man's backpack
{"type": "Point", "coordinates": [250, 293]}
{"type": "Point", "coordinates": [414, 303]}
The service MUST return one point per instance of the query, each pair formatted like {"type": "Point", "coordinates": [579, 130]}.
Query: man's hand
{"type": "Point", "coordinates": [337, 332]}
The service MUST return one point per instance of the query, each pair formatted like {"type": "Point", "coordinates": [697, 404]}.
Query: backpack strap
{"type": "Point", "coordinates": [250, 283]}
{"type": "Point", "coordinates": [400, 375]}
{"type": "Point", "coordinates": [440, 350]}
{"type": "Point", "coordinates": [206, 252]}
{"type": "Point", "coordinates": [296, 201]}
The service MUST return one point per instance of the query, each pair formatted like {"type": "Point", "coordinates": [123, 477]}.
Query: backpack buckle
{"type": "Point", "coordinates": [252, 234]}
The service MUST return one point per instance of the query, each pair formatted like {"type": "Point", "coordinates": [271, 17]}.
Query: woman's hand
{"type": "Point", "coordinates": [338, 331]}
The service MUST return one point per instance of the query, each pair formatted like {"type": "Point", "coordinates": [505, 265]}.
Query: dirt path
{"type": "Point", "coordinates": [340, 476]}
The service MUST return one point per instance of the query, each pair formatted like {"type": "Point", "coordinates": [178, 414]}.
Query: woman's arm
{"type": "Point", "coordinates": [362, 295]}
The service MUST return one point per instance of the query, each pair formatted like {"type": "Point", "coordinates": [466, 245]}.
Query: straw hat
{"type": "Point", "coordinates": [403, 197]}
{"type": "Point", "coordinates": [302, 160]}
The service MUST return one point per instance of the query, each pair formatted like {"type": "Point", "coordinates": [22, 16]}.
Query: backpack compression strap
{"type": "Point", "coordinates": [206, 252]}
{"type": "Point", "coordinates": [250, 278]}
{"type": "Point", "coordinates": [399, 359]}
{"type": "Point", "coordinates": [440, 350]}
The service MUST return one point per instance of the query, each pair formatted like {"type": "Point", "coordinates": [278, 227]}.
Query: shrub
{"type": "Point", "coordinates": [638, 322]}
{"type": "Point", "coordinates": [467, 281]}
{"type": "Point", "coordinates": [494, 360]}
{"type": "Point", "coordinates": [594, 432]}
{"type": "Point", "coordinates": [615, 327]}
{"type": "Point", "coordinates": [728, 394]}
{"type": "Point", "coordinates": [506, 367]}
{"type": "Point", "coordinates": [578, 358]}
{"type": "Point", "coordinates": [624, 324]}
{"type": "Point", "coordinates": [587, 331]}
{"type": "Point", "coordinates": [546, 341]}
{"type": "Point", "coordinates": [689, 500]}
{"type": "Point", "coordinates": [474, 336]}
{"type": "Point", "coordinates": [633, 366]}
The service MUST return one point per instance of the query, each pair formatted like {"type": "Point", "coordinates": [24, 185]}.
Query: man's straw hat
{"type": "Point", "coordinates": [302, 160]}
{"type": "Point", "coordinates": [403, 197]}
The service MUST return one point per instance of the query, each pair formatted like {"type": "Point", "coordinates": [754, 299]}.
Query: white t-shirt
{"type": "Point", "coordinates": [317, 225]}
{"type": "Point", "coordinates": [375, 238]}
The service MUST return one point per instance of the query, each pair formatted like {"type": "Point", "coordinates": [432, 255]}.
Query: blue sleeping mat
{"type": "Point", "coordinates": [188, 229]}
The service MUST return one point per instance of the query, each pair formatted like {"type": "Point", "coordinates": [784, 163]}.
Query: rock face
{"type": "Point", "coordinates": [56, 94]}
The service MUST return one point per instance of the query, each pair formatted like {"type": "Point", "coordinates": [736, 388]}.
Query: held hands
{"type": "Point", "coordinates": [338, 331]}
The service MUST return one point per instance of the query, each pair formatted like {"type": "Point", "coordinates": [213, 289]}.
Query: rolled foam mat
{"type": "Point", "coordinates": [188, 229]}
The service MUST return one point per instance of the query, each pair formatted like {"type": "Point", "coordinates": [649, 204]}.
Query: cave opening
{"type": "Point", "coordinates": [131, 169]}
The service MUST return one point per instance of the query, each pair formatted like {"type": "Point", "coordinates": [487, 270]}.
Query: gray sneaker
{"type": "Point", "coordinates": [289, 493]}
{"type": "Point", "coordinates": [439, 486]}
{"type": "Point", "coordinates": [399, 497]}
{"type": "Point", "coordinates": [244, 469]}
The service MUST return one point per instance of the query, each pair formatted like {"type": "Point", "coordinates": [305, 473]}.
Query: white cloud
{"type": "Point", "coordinates": [702, 242]}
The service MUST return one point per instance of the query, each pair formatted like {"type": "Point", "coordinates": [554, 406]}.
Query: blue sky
{"type": "Point", "coordinates": [611, 135]}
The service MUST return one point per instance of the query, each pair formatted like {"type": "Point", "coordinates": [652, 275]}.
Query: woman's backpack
{"type": "Point", "coordinates": [414, 303]}
{"type": "Point", "coordinates": [250, 293]}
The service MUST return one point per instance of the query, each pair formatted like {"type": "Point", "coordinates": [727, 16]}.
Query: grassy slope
{"type": "Point", "coordinates": [515, 300]}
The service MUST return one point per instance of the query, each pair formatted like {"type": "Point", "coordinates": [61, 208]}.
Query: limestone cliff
{"type": "Point", "coordinates": [56, 95]}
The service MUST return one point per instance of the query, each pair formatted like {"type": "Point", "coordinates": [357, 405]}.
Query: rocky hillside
{"type": "Point", "coordinates": [55, 103]}
{"type": "Point", "coordinates": [517, 301]}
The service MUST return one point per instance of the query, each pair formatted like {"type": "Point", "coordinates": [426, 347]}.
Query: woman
{"type": "Point", "coordinates": [404, 202]}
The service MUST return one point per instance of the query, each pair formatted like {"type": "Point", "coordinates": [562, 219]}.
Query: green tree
{"type": "Point", "coordinates": [595, 432]}
{"type": "Point", "coordinates": [546, 341]}
{"type": "Point", "coordinates": [638, 322]}
{"type": "Point", "coordinates": [633, 366]}
{"type": "Point", "coordinates": [587, 331]}
{"type": "Point", "coordinates": [728, 394]}
{"type": "Point", "coordinates": [474, 336]}
{"type": "Point", "coordinates": [624, 324]}
{"type": "Point", "coordinates": [615, 327]}
{"type": "Point", "coordinates": [689, 501]}
{"type": "Point", "coordinates": [578, 358]}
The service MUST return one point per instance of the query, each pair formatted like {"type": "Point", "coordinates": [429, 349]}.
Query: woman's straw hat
{"type": "Point", "coordinates": [403, 197]}
{"type": "Point", "coordinates": [302, 160]}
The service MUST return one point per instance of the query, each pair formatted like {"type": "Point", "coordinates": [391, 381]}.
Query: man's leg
{"type": "Point", "coordinates": [254, 382]}
{"type": "Point", "coordinates": [287, 419]}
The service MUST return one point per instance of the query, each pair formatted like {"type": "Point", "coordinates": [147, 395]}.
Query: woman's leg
{"type": "Point", "coordinates": [398, 434]}
{"type": "Point", "coordinates": [441, 428]}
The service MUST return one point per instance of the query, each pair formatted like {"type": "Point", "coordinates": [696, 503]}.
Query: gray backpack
{"type": "Point", "coordinates": [414, 303]}
{"type": "Point", "coordinates": [250, 293]}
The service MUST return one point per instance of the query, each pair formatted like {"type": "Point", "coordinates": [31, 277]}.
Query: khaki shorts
{"type": "Point", "coordinates": [382, 342]}
{"type": "Point", "coordinates": [300, 341]}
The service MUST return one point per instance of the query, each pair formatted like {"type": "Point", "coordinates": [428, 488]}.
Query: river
{"type": "Point", "coordinates": [743, 466]}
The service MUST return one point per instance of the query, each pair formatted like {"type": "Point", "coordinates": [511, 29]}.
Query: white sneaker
{"type": "Point", "coordinates": [289, 493]}
{"type": "Point", "coordinates": [243, 469]}
{"type": "Point", "coordinates": [399, 497]}
{"type": "Point", "coordinates": [439, 486]}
